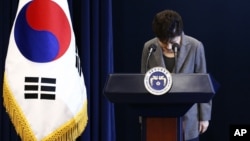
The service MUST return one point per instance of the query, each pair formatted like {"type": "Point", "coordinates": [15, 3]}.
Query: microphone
{"type": "Point", "coordinates": [151, 49]}
{"type": "Point", "coordinates": [175, 47]}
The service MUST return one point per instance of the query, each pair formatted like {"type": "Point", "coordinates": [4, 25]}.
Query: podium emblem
{"type": "Point", "coordinates": [158, 81]}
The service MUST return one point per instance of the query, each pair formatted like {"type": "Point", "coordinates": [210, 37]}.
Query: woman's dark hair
{"type": "Point", "coordinates": [167, 24]}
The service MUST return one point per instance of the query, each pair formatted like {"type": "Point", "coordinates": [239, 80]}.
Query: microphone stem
{"type": "Point", "coordinates": [152, 48]}
{"type": "Point", "coordinates": [146, 67]}
{"type": "Point", "coordinates": [176, 60]}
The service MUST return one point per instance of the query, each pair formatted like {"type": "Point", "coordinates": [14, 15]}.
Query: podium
{"type": "Point", "coordinates": [161, 114]}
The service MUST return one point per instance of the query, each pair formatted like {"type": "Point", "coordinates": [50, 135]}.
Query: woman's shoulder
{"type": "Point", "coordinates": [189, 40]}
{"type": "Point", "coordinates": [150, 42]}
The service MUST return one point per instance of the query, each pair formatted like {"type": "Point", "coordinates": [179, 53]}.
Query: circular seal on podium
{"type": "Point", "coordinates": [158, 81]}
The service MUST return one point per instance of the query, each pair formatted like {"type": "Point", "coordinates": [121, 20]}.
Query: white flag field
{"type": "Point", "coordinates": [44, 91]}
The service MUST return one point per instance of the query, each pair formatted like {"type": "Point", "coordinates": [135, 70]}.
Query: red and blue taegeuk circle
{"type": "Point", "coordinates": [42, 31]}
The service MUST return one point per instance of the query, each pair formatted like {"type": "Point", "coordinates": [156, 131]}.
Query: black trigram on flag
{"type": "Point", "coordinates": [78, 63]}
{"type": "Point", "coordinates": [40, 88]}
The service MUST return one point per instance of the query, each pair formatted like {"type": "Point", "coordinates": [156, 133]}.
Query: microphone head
{"type": "Point", "coordinates": [152, 48]}
{"type": "Point", "coordinates": [175, 46]}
